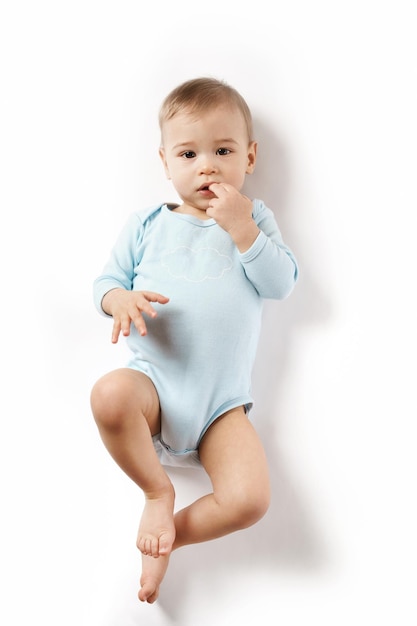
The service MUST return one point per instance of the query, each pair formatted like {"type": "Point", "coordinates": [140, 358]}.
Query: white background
{"type": "Point", "coordinates": [332, 87]}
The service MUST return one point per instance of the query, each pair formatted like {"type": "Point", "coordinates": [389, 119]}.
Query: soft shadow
{"type": "Point", "coordinates": [288, 536]}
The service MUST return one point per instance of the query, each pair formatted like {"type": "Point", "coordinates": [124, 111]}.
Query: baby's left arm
{"type": "Point", "coordinates": [269, 263]}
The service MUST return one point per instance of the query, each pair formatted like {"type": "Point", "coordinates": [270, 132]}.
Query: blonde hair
{"type": "Point", "coordinates": [201, 94]}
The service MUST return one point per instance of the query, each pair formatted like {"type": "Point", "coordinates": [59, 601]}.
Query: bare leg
{"type": "Point", "coordinates": [125, 406]}
{"type": "Point", "coordinates": [234, 458]}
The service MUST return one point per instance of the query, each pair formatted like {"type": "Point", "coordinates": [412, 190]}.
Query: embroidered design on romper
{"type": "Point", "coordinates": [196, 265]}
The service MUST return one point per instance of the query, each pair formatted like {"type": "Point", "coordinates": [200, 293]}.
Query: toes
{"type": "Point", "coordinates": [153, 597]}
{"type": "Point", "coordinates": [141, 545]}
{"type": "Point", "coordinates": [165, 547]}
{"type": "Point", "coordinates": [153, 572]}
{"type": "Point", "coordinates": [149, 542]}
{"type": "Point", "coordinates": [149, 546]}
{"type": "Point", "coordinates": [150, 598]}
{"type": "Point", "coordinates": [148, 593]}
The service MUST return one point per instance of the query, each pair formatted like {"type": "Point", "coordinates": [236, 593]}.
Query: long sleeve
{"type": "Point", "coordinates": [269, 264]}
{"type": "Point", "coordinates": [119, 269]}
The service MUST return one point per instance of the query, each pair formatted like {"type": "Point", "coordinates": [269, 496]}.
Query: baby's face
{"type": "Point", "coordinates": [212, 147]}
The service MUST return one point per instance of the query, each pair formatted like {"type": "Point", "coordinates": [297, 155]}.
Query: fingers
{"type": "Point", "coordinates": [121, 324]}
{"type": "Point", "coordinates": [116, 331]}
{"type": "Point", "coordinates": [151, 296]}
{"type": "Point", "coordinates": [220, 189]}
{"type": "Point", "coordinates": [131, 309]}
{"type": "Point", "coordinates": [137, 318]}
{"type": "Point", "coordinates": [143, 305]}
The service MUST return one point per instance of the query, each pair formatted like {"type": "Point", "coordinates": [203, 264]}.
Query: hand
{"type": "Point", "coordinates": [127, 306]}
{"type": "Point", "coordinates": [233, 212]}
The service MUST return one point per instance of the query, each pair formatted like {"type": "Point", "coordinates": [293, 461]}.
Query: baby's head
{"type": "Point", "coordinates": [200, 95]}
{"type": "Point", "coordinates": [206, 138]}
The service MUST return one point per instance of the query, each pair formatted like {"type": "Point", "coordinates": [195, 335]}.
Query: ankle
{"type": "Point", "coordinates": [160, 492]}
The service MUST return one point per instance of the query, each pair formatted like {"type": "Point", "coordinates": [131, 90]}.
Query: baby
{"type": "Point", "coordinates": [185, 284]}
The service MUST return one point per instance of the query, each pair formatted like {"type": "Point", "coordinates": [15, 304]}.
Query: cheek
{"type": "Point", "coordinates": [180, 177]}
{"type": "Point", "coordinates": [181, 171]}
{"type": "Point", "coordinates": [238, 176]}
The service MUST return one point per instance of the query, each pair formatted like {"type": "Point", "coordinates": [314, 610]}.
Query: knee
{"type": "Point", "coordinates": [258, 506]}
{"type": "Point", "coordinates": [251, 506]}
{"type": "Point", "coordinates": [105, 404]}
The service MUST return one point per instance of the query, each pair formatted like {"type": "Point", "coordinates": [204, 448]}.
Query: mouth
{"type": "Point", "coordinates": [205, 187]}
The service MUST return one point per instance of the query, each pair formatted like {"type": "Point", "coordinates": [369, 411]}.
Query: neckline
{"type": "Point", "coordinates": [192, 219]}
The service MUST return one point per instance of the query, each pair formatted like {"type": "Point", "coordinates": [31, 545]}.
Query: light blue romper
{"type": "Point", "coordinates": [199, 350]}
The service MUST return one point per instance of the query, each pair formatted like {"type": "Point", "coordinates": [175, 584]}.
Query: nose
{"type": "Point", "coordinates": [207, 164]}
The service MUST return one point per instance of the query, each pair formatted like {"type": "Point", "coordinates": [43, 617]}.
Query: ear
{"type": "Point", "coordinates": [252, 148]}
{"type": "Point", "coordinates": [164, 162]}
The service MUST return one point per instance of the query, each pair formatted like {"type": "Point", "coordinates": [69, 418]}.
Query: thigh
{"type": "Point", "coordinates": [233, 455]}
{"type": "Point", "coordinates": [127, 392]}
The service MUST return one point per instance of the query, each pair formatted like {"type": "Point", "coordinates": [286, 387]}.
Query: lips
{"type": "Point", "coordinates": [205, 186]}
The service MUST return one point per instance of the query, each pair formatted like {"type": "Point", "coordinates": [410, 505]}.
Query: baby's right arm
{"type": "Point", "coordinates": [127, 306]}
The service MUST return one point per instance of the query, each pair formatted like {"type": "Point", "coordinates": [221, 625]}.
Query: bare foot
{"type": "Point", "coordinates": [153, 572]}
{"type": "Point", "coordinates": [157, 530]}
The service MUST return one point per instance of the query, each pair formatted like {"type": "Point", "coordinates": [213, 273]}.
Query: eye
{"type": "Point", "coordinates": [189, 154]}
{"type": "Point", "coordinates": [223, 151]}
